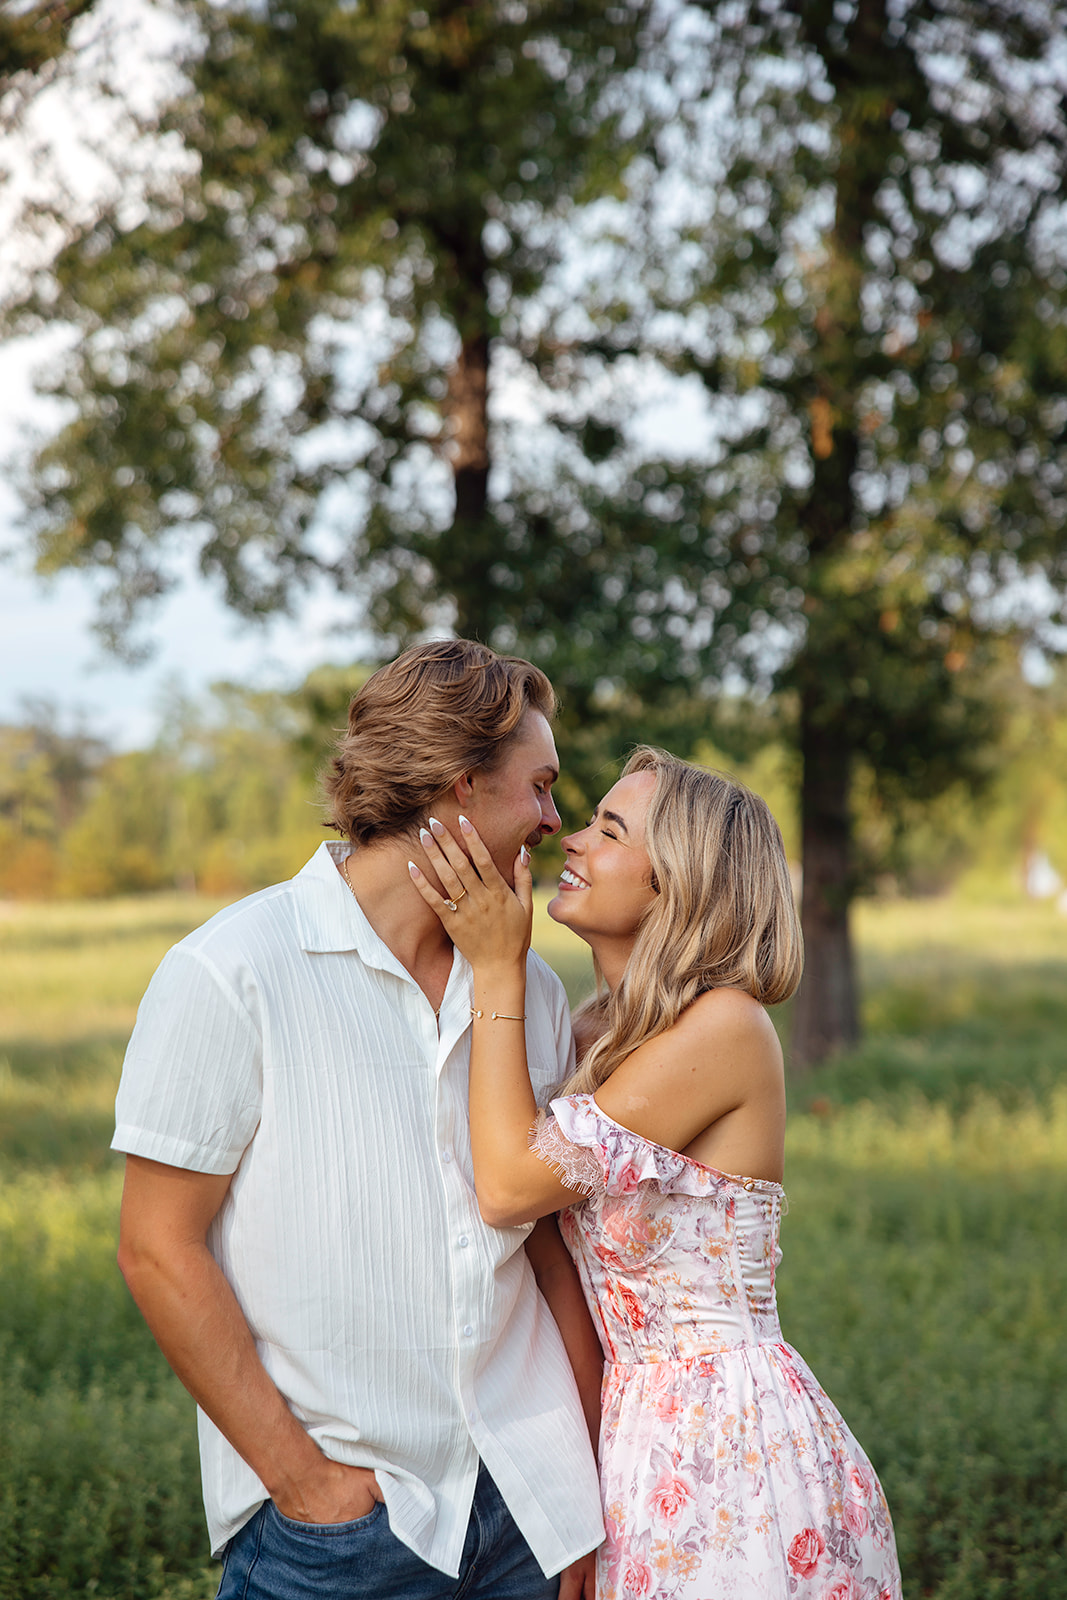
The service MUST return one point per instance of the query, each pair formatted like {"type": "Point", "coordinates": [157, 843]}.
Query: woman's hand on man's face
{"type": "Point", "coordinates": [487, 920]}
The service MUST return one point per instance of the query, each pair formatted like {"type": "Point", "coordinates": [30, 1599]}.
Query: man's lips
{"type": "Point", "coordinates": [569, 879]}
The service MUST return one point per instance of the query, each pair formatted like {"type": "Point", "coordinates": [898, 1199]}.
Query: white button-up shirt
{"type": "Point", "coordinates": [284, 1042]}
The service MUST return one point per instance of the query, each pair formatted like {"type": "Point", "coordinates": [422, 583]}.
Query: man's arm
{"type": "Point", "coordinates": [200, 1328]}
{"type": "Point", "coordinates": [558, 1282]}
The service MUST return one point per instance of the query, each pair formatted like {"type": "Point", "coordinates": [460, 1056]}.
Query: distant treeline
{"type": "Point", "coordinates": [226, 798]}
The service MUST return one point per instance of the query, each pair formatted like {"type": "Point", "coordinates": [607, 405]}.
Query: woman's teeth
{"type": "Point", "coordinates": [567, 876]}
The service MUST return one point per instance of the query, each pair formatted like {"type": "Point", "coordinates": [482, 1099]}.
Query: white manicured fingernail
{"type": "Point", "coordinates": [413, 869]}
{"type": "Point", "coordinates": [426, 836]}
{"type": "Point", "coordinates": [524, 856]}
{"type": "Point", "coordinates": [468, 827]}
{"type": "Point", "coordinates": [438, 827]}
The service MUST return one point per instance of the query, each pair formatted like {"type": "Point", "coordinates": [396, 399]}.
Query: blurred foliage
{"type": "Point", "coordinates": [31, 38]}
{"type": "Point", "coordinates": [225, 800]}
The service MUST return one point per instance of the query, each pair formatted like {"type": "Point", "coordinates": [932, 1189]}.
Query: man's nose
{"type": "Point", "coordinates": [551, 821]}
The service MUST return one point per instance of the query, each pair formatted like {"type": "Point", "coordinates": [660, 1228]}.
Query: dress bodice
{"type": "Point", "coordinates": [677, 1258]}
{"type": "Point", "coordinates": [725, 1468]}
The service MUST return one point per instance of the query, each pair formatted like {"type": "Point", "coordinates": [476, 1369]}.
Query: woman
{"type": "Point", "coordinates": [726, 1471]}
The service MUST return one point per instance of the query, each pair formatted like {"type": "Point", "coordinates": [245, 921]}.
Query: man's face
{"type": "Point", "coordinates": [512, 805]}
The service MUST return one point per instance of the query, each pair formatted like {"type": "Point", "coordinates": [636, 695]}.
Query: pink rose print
{"type": "Point", "coordinates": [855, 1517]}
{"type": "Point", "coordinates": [635, 1315]}
{"type": "Point", "coordinates": [637, 1578]}
{"type": "Point", "coordinates": [628, 1178]}
{"type": "Point", "coordinates": [842, 1588]}
{"type": "Point", "coordinates": [670, 1497]}
{"type": "Point", "coordinates": [792, 1376]}
{"type": "Point", "coordinates": [663, 1396]}
{"type": "Point", "coordinates": [804, 1552]}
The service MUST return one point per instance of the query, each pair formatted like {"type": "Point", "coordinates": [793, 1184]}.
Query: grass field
{"type": "Point", "coordinates": [927, 1176]}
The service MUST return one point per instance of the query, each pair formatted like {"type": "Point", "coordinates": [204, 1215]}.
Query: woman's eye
{"type": "Point", "coordinates": [608, 833]}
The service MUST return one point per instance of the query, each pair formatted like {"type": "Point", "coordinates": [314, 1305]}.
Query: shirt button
{"type": "Point", "coordinates": [463, 1241]}
{"type": "Point", "coordinates": [468, 1332]}
{"type": "Point", "coordinates": [446, 1155]}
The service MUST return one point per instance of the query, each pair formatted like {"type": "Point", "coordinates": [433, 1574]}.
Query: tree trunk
{"type": "Point", "coordinates": [824, 1017]}
{"type": "Point", "coordinates": [468, 406]}
{"type": "Point", "coordinates": [470, 546]}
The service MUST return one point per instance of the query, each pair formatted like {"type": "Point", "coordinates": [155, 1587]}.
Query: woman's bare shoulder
{"type": "Point", "coordinates": [732, 1010]}
{"type": "Point", "coordinates": [721, 1055]}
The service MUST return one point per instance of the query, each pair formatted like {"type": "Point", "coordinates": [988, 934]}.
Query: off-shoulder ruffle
{"type": "Point", "coordinates": [575, 1165]}
{"type": "Point", "coordinates": [627, 1159]}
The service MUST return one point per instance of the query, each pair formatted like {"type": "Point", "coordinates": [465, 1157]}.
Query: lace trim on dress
{"type": "Point", "coordinates": [574, 1165]}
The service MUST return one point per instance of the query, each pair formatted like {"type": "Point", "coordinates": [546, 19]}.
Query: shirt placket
{"type": "Point", "coordinates": [466, 1245]}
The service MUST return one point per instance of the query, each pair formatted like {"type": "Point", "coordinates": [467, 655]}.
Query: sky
{"type": "Point", "coordinates": [47, 645]}
{"type": "Point", "coordinates": [48, 648]}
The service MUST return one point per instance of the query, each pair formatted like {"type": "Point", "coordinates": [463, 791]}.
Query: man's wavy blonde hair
{"type": "Point", "coordinates": [439, 710]}
{"type": "Point", "coordinates": [724, 916]}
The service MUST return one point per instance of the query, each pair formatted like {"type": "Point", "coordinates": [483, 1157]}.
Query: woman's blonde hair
{"type": "Point", "coordinates": [724, 916]}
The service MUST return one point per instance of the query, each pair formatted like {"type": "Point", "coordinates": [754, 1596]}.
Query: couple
{"type": "Point", "coordinates": [347, 1142]}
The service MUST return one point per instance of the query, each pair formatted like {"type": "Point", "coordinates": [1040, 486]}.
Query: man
{"type": "Point", "coordinates": [386, 1403]}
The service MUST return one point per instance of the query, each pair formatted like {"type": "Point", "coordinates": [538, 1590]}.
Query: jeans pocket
{"type": "Point", "coordinates": [328, 1530]}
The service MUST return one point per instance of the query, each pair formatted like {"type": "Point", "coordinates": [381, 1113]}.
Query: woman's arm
{"type": "Point", "coordinates": [720, 1062]}
{"type": "Point", "coordinates": [492, 928]}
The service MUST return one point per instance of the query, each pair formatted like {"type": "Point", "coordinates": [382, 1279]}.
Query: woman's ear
{"type": "Point", "coordinates": [654, 882]}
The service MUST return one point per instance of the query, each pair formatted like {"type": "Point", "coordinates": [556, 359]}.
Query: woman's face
{"type": "Point", "coordinates": [606, 886]}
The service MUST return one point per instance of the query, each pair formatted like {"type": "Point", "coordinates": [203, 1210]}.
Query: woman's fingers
{"type": "Point", "coordinates": [524, 881]}
{"type": "Point", "coordinates": [447, 859]}
{"type": "Point", "coordinates": [483, 861]}
{"type": "Point", "coordinates": [433, 900]}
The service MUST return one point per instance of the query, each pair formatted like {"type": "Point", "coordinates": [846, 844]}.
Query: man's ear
{"type": "Point", "coordinates": [463, 788]}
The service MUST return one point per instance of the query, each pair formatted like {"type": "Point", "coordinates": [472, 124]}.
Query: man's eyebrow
{"type": "Point", "coordinates": [552, 771]}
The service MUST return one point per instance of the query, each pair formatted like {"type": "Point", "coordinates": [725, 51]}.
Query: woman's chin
{"type": "Point", "coordinates": [559, 907]}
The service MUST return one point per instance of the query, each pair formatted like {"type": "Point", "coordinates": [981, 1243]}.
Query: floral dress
{"type": "Point", "coordinates": [727, 1473]}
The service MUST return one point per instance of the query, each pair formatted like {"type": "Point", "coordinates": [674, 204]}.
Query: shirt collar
{"type": "Point", "coordinates": [329, 917]}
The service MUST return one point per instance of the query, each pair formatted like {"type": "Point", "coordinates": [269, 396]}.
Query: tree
{"type": "Point", "coordinates": [47, 769]}
{"type": "Point", "coordinates": [32, 36]}
{"type": "Point", "coordinates": [927, 363]}
{"type": "Point", "coordinates": [377, 192]}
{"type": "Point", "coordinates": [868, 278]}
{"type": "Point", "coordinates": [840, 220]}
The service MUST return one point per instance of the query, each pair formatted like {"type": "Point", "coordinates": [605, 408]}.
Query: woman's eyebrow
{"type": "Point", "coordinates": [613, 816]}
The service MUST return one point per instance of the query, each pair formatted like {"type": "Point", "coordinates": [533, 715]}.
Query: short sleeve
{"type": "Point", "coordinates": [625, 1159]}
{"type": "Point", "coordinates": [191, 1089]}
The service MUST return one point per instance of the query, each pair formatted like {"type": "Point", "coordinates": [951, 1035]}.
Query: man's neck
{"type": "Point", "coordinates": [378, 877]}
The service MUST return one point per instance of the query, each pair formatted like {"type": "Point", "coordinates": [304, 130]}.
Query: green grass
{"type": "Point", "coordinates": [927, 1177]}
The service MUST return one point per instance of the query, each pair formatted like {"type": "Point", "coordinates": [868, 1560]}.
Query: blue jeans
{"type": "Point", "coordinates": [274, 1558]}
